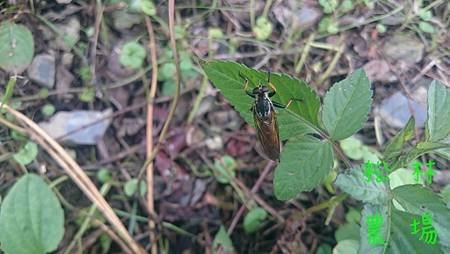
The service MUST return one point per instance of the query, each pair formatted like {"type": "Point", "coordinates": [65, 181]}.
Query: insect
{"type": "Point", "coordinates": [265, 118]}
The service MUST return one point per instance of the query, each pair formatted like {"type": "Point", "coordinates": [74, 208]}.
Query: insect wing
{"type": "Point", "coordinates": [268, 136]}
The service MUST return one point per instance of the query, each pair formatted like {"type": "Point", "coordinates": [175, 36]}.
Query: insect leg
{"type": "Point", "coordinates": [291, 100]}
{"type": "Point", "coordinates": [249, 93]}
{"type": "Point", "coordinates": [279, 105]}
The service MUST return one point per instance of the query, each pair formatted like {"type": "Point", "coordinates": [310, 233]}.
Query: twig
{"type": "Point", "coordinates": [149, 134]}
{"type": "Point", "coordinates": [58, 153]}
{"type": "Point", "coordinates": [98, 20]}
{"type": "Point", "coordinates": [333, 62]}
{"type": "Point", "coordinates": [87, 221]}
{"type": "Point", "coordinates": [328, 203]}
{"type": "Point", "coordinates": [174, 104]}
{"type": "Point", "coordinates": [254, 190]}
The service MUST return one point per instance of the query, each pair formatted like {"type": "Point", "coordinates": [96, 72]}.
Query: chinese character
{"type": "Point", "coordinates": [416, 172]}
{"type": "Point", "coordinates": [370, 170]}
{"type": "Point", "coordinates": [374, 223]}
{"type": "Point", "coordinates": [428, 233]}
{"type": "Point", "coordinates": [430, 171]}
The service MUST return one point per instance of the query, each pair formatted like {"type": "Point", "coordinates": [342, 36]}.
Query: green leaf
{"type": "Point", "coordinates": [167, 71]}
{"type": "Point", "coordinates": [328, 6]}
{"type": "Point", "coordinates": [346, 247]}
{"type": "Point", "coordinates": [104, 175]}
{"type": "Point", "coordinates": [445, 193]}
{"type": "Point", "coordinates": [355, 183]}
{"type": "Point", "coordinates": [149, 8]}
{"type": "Point", "coordinates": [87, 94]}
{"type": "Point", "coordinates": [105, 243]}
{"type": "Point", "coordinates": [395, 231]}
{"type": "Point", "coordinates": [402, 241]}
{"type": "Point", "coordinates": [370, 210]}
{"type": "Point", "coordinates": [445, 152]}
{"type": "Point", "coordinates": [438, 123]}
{"type": "Point", "coordinates": [347, 231]}
{"type": "Point", "coordinates": [16, 47]}
{"type": "Point", "coordinates": [352, 147]}
{"type": "Point", "coordinates": [222, 243]}
{"type": "Point", "coordinates": [263, 28]}
{"type": "Point", "coordinates": [27, 154]}
{"type": "Point", "coordinates": [295, 120]}
{"type": "Point", "coordinates": [395, 146]}
{"type": "Point", "coordinates": [425, 15]}
{"type": "Point", "coordinates": [31, 218]}
{"type": "Point", "coordinates": [215, 33]}
{"type": "Point", "coordinates": [346, 105]}
{"type": "Point", "coordinates": [224, 169]}
{"type": "Point", "coordinates": [48, 110]}
{"type": "Point", "coordinates": [305, 162]}
{"type": "Point", "coordinates": [426, 27]}
{"type": "Point", "coordinates": [131, 186]}
{"type": "Point", "coordinates": [403, 176]}
{"type": "Point", "coordinates": [132, 55]}
{"type": "Point", "coordinates": [324, 249]}
{"type": "Point", "coordinates": [418, 200]}
{"type": "Point", "coordinates": [254, 219]}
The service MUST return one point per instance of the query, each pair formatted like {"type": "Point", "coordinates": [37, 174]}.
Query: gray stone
{"type": "Point", "coordinates": [78, 127]}
{"type": "Point", "coordinates": [290, 16]}
{"type": "Point", "coordinates": [396, 112]}
{"type": "Point", "coordinates": [42, 70]}
{"type": "Point", "coordinates": [405, 48]}
{"type": "Point", "coordinates": [70, 32]}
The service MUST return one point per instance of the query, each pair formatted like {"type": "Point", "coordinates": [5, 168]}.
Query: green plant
{"type": "Point", "coordinates": [132, 55]}
{"type": "Point", "coordinates": [306, 160]}
{"type": "Point", "coordinates": [31, 218]}
{"type": "Point", "coordinates": [17, 47]}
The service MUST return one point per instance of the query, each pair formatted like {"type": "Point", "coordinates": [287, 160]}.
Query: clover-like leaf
{"type": "Point", "coordinates": [253, 220]}
{"type": "Point", "coordinates": [132, 55]}
{"type": "Point", "coordinates": [27, 154]}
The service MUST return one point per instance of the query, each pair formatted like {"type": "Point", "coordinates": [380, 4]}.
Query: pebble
{"type": "Point", "coordinates": [42, 70]}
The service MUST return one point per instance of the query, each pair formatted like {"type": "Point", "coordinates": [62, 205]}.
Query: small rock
{"type": "Point", "coordinates": [378, 70]}
{"type": "Point", "coordinates": [77, 124]}
{"type": "Point", "coordinates": [122, 19]}
{"type": "Point", "coordinates": [214, 143]}
{"type": "Point", "coordinates": [67, 59]}
{"type": "Point", "coordinates": [395, 111]}
{"type": "Point", "coordinates": [291, 17]}
{"type": "Point", "coordinates": [307, 17]}
{"type": "Point", "coordinates": [131, 126]}
{"type": "Point", "coordinates": [42, 70]}
{"type": "Point", "coordinates": [64, 79]}
{"type": "Point", "coordinates": [70, 32]}
{"type": "Point", "coordinates": [405, 48]}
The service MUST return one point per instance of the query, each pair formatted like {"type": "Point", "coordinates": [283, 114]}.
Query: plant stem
{"type": "Point", "coordinates": [149, 132]}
